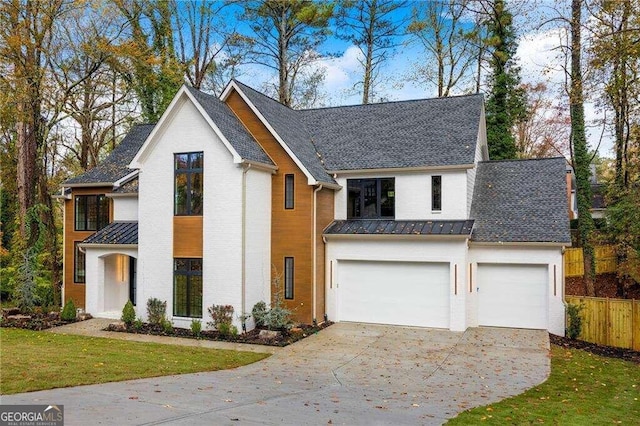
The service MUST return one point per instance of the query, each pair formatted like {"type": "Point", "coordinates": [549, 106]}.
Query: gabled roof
{"type": "Point", "coordinates": [130, 187]}
{"type": "Point", "coordinates": [400, 227]}
{"type": "Point", "coordinates": [119, 232]}
{"type": "Point", "coordinates": [288, 125]}
{"type": "Point", "coordinates": [419, 133]}
{"type": "Point", "coordinates": [114, 167]}
{"type": "Point", "coordinates": [521, 201]}
{"type": "Point", "coordinates": [231, 127]}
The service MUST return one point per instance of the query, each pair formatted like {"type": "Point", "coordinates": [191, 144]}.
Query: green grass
{"type": "Point", "coordinates": [36, 360]}
{"type": "Point", "coordinates": [583, 389]}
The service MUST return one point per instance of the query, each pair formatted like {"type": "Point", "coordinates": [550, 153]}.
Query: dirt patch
{"type": "Point", "coordinates": [283, 338]}
{"type": "Point", "coordinates": [606, 286]}
{"type": "Point", "coordinates": [607, 351]}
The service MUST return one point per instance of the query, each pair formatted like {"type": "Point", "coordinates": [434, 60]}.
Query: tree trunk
{"type": "Point", "coordinates": [581, 155]}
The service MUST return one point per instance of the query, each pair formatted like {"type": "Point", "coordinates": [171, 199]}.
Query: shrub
{"type": "Point", "coordinates": [222, 317]}
{"type": "Point", "coordinates": [156, 311]}
{"type": "Point", "coordinates": [258, 312]}
{"type": "Point", "coordinates": [69, 311]}
{"type": "Point", "coordinates": [574, 328]}
{"type": "Point", "coordinates": [167, 327]}
{"type": "Point", "coordinates": [128, 313]}
{"type": "Point", "coordinates": [196, 327]}
{"type": "Point", "coordinates": [137, 324]}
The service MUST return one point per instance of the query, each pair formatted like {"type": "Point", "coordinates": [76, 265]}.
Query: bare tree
{"type": "Point", "coordinates": [285, 36]}
{"type": "Point", "coordinates": [448, 42]}
{"type": "Point", "coordinates": [374, 27]}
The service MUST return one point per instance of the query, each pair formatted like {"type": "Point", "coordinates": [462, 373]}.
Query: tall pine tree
{"type": "Point", "coordinates": [506, 103]}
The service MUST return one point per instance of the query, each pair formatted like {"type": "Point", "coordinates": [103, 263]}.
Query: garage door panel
{"type": "Point", "coordinates": [512, 295]}
{"type": "Point", "coordinates": [399, 293]}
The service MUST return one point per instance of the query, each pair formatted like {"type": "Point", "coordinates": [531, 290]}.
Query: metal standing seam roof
{"type": "Point", "coordinates": [115, 166]}
{"type": "Point", "coordinates": [119, 232]}
{"type": "Point", "coordinates": [521, 201]}
{"type": "Point", "coordinates": [399, 227]}
{"type": "Point", "coordinates": [231, 127]}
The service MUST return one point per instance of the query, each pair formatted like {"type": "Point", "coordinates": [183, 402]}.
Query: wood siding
{"type": "Point", "coordinates": [324, 216]}
{"type": "Point", "coordinates": [291, 229]}
{"type": "Point", "coordinates": [187, 236]}
{"type": "Point", "coordinates": [72, 290]}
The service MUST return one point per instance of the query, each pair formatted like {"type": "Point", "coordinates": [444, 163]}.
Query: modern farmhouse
{"type": "Point", "coordinates": [385, 213]}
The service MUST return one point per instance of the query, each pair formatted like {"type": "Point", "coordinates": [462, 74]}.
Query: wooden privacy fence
{"type": "Point", "coordinates": [605, 261]}
{"type": "Point", "coordinates": [611, 322]}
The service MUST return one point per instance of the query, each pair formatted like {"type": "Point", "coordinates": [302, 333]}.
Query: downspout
{"type": "Point", "coordinates": [315, 251]}
{"type": "Point", "coordinates": [244, 238]}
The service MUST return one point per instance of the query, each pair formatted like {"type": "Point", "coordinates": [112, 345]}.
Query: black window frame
{"type": "Point", "coordinates": [436, 193]}
{"type": "Point", "coordinates": [189, 273]}
{"type": "Point", "coordinates": [79, 259]}
{"type": "Point", "coordinates": [102, 212]}
{"type": "Point", "coordinates": [133, 279]}
{"type": "Point", "coordinates": [189, 171]}
{"type": "Point", "coordinates": [361, 186]}
{"type": "Point", "coordinates": [289, 277]}
{"type": "Point", "coordinates": [289, 191]}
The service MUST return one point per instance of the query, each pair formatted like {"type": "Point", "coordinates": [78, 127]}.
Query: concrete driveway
{"type": "Point", "coordinates": [355, 374]}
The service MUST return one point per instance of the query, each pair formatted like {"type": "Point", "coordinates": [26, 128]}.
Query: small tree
{"type": "Point", "coordinates": [128, 313]}
{"type": "Point", "coordinates": [69, 311]}
{"type": "Point", "coordinates": [574, 326]}
{"type": "Point", "coordinates": [222, 318]}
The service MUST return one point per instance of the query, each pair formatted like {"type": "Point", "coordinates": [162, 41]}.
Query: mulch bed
{"type": "Point", "coordinates": [605, 286]}
{"type": "Point", "coordinates": [283, 339]}
{"type": "Point", "coordinates": [36, 321]}
{"type": "Point", "coordinates": [606, 351]}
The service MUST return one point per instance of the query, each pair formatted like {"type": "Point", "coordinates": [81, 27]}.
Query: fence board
{"type": "Point", "coordinates": [606, 261]}
{"type": "Point", "coordinates": [612, 322]}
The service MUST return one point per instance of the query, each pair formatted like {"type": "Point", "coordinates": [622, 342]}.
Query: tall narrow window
{"type": "Point", "coordinates": [288, 277]}
{"type": "Point", "coordinates": [288, 191]}
{"type": "Point", "coordinates": [91, 212]}
{"type": "Point", "coordinates": [79, 265]}
{"type": "Point", "coordinates": [187, 288]}
{"type": "Point", "coordinates": [132, 280]}
{"type": "Point", "coordinates": [188, 188]}
{"type": "Point", "coordinates": [436, 193]}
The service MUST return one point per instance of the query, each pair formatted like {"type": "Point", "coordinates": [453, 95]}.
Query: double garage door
{"type": "Point", "coordinates": [418, 294]}
{"type": "Point", "coordinates": [398, 293]}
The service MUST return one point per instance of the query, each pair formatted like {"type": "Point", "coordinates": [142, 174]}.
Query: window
{"type": "Point", "coordinates": [187, 288]}
{"type": "Point", "coordinates": [288, 277]}
{"type": "Point", "coordinates": [92, 212]}
{"type": "Point", "coordinates": [132, 280]}
{"type": "Point", "coordinates": [79, 262]}
{"type": "Point", "coordinates": [188, 184]}
{"type": "Point", "coordinates": [371, 198]}
{"type": "Point", "coordinates": [288, 191]}
{"type": "Point", "coordinates": [436, 193]}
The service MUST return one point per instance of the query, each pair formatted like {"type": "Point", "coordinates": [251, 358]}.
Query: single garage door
{"type": "Point", "coordinates": [399, 293]}
{"type": "Point", "coordinates": [512, 295]}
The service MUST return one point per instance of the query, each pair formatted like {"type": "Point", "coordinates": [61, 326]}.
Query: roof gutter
{"type": "Point", "coordinates": [391, 237]}
{"type": "Point", "coordinates": [403, 169]}
{"type": "Point", "coordinates": [261, 166]}
{"type": "Point", "coordinates": [87, 185]}
{"type": "Point", "coordinates": [110, 246]}
{"type": "Point", "coordinates": [518, 243]}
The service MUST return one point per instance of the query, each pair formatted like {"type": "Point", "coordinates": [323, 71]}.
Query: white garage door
{"type": "Point", "coordinates": [399, 293]}
{"type": "Point", "coordinates": [512, 295]}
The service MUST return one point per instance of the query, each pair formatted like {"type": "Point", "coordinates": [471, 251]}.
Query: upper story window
{"type": "Point", "coordinates": [288, 191]}
{"type": "Point", "coordinates": [436, 193]}
{"type": "Point", "coordinates": [371, 198]}
{"type": "Point", "coordinates": [91, 212]}
{"type": "Point", "coordinates": [188, 184]}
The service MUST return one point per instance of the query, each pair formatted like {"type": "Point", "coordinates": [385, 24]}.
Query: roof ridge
{"type": "Point", "coordinates": [514, 160]}
{"type": "Point", "coordinates": [262, 94]}
{"type": "Point", "coordinates": [393, 102]}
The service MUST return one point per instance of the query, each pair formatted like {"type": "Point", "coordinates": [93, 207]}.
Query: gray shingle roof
{"type": "Point", "coordinates": [114, 167]}
{"type": "Point", "coordinates": [289, 126]}
{"type": "Point", "coordinates": [428, 132]}
{"type": "Point", "coordinates": [115, 233]}
{"type": "Point", "coordinates": [400, 227]}
{"type": "Point", "coordinates": [244, 144]}
{"type": "Point", "coordinates": [521, 201]}
{"type": "Point", "coordinates": [130, 187]}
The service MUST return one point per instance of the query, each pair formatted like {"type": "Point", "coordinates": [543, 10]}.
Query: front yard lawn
{"type": "Point", "coordinates": [582, 389]}
{"type": "Point", "coordinates": [36, 360]}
